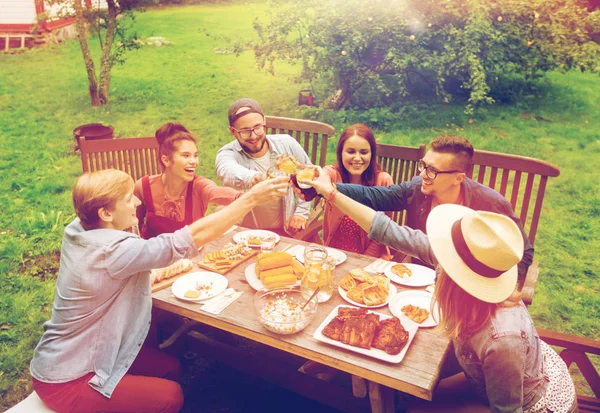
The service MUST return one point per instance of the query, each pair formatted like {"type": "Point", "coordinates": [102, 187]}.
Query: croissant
{"type": "Point", "coordinates": [357, 293]}
{"type": "Point", "coordinates": [348, 282]}
{"type": "Point", "coordinates": [360, 275]}
{"type": "Point", "coordinates": [172, 270]}
{"type": "Point", "coordinates": [374, 295]}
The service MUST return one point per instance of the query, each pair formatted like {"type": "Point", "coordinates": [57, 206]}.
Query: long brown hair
{"type": "Point", "coordinates": [167, 137]}
{"type": "Point", "coordinates": [369, 176]}
{"type": "Point", "coordinates": [460, 312]}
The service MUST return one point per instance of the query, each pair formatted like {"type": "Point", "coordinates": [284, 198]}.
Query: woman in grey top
{"type": "Point", "coordinates": [91, 356]}
{"type": "Point", "coordinates": [476, 255]}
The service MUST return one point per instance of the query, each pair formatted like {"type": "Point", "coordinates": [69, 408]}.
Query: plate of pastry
{"type": "Point", "coordinates": [362, 289]}
{"type": "Point", "coordinates": [199, 286]}
{"type": "Point", "coordinates": [414, 308]}
{"type": "Point", "coordinates": [411, 275]}
{"type": "Point", "coordinates": [253, 237]}
{"type": "Point", "coordinates": [339, 256]}
{"type": "Point", "coordinates": [366, 332]}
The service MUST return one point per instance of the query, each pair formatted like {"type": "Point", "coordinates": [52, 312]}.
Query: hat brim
{"type": "Point", "coordinates": [439, 232]}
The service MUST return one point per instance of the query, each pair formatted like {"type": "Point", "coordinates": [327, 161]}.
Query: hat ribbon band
{"type": "Point", "coordinates": [463, 251]}
{"type": "Point", "coordinates": [244, 113]}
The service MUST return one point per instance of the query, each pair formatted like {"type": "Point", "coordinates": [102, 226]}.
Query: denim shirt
{"type": "Point", "coordinates": [102, 305]}
{"type": "Point", "coordinates": [503, 359]}
{"type": "Point", "coordinates": [236, 169]}
{"type": "Point", "coordinates": [408, 196]}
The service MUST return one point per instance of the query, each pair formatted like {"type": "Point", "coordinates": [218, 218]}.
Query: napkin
{"type": "Point", "coordinates": [294, 250]}
{"type": "Point", "coordinates": [377, 267]}
{"type": "Point", "coordinates": [218, 304]}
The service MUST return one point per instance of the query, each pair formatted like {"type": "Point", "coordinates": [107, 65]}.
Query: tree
{"type": "Point", "coordinates": [385, 51]}
{"type": "Point", "coordinates": [107, 24]}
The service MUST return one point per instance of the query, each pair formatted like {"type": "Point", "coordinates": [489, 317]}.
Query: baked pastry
{"type": "Point", "coordinates": [360, 275]}
{"type": "Point", "coordinates": [357, 293]}
{"type": "Point", "coordinates": [333, 330]}
{"type": "Point", "coordinates": [375, 295]}
{"type": "Point", "coordinates": [172, 270]}
{"type": "Point", "coordinates": [345, 313]}
{"type": "Point", "coordinates": [359, 332]}
{"type": "Point", "coordinates": [416, 314]}
{"type": "Point", "coordinates": [390, 336]}
{"type": "Point", "coordinates": [348, 282]}
{"type": "Point", "coordinates": [401, 270]}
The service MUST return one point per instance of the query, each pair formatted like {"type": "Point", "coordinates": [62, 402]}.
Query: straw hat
{"type": "Point", "coordinates": [479, 250]}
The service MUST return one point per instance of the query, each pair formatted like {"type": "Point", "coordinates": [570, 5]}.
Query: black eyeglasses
{"type": "Point", "coordinates": [246, 133]}
{"type": "Point", "coordinates": [430, 172]}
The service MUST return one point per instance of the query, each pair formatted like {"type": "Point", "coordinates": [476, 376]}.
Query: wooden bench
{"type": "Point", "coordinates": [522, 181]}
{"type": "Point", "coordinates": [576, 350]}
{"type": "Point", "coordinates": [139, 156]}
{"type": "Point", "coordinates": [311, 135]}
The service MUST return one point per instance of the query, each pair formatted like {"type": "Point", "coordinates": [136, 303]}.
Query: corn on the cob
{"type": "Point", "coordinates": [276, 281]}
{"type": "Point", "coordinates": [298, 268]}
{"type": "Point", "coordinates": [276, 271]}
{"type": "Point", "coordinates": [273, 260]}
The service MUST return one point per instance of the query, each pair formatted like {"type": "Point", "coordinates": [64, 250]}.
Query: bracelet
{"type": "Point", "coordinates": [332, 195]}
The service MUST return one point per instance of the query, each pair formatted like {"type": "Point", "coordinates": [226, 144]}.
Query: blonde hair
{"type": "Point", "coordinates": [460, 312]}
{"type": "Point", "coordinates": [100, 189]}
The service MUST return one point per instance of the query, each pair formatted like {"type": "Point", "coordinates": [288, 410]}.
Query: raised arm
{"type": "Point", "coordinates": [379, 226]}
{"type": "Point", "coordinates": [382, 198]}
{"type": "Point", "coordinates": [230, 172]}
{"type": "Point", "coordinates": [132, 255]}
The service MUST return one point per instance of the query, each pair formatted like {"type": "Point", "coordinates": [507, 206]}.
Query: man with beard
{"type": "Point", "coordinates": [442, 179]}
{"type": "Point", "coordinates": [245, 161]}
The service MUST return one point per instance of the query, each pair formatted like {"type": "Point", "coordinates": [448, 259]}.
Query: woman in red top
{"type": "Point", "coordinates": [356, 164]}
{"type": "Point", "coordinates": [177, 197]}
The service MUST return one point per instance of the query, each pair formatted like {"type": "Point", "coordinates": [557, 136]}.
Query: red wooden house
{"type": "Point", "coordinates": [24, 23]}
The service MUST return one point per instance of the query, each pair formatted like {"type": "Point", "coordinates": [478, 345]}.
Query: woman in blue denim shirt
{"type": "Point", "coordinates": [93, 355]}
{"type": "Point", "coordinates": [496, 344]}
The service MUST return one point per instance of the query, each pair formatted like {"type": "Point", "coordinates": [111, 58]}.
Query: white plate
{"type": "Point", "coordinates": [244, 235]}
{"type": "Point", "coordinates": [189, 281]}
{"type": "Point", "coordinates": [373, 352]}
{"type": "Point", "coordinates": [391, 294]}
{"type": "Point", "coordinates": [253, 280]}
{"type": "Point", "coordinates": [418, 298]}
{"type": "Point", "coordinates": [339, 256]}
{"type": "Point", "coordinates": [421, 276]}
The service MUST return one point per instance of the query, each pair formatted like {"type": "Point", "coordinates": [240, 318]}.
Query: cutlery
{"type": "Point", "coordinates": [310, 298]}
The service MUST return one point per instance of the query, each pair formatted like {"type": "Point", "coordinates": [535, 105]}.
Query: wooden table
{"type": "Point", "coordinates": [417, 374]}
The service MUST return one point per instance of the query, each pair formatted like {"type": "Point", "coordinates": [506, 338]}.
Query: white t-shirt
{"type": "Point", "coordinates": [268, 216]}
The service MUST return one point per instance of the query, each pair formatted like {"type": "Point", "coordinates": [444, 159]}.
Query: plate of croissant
{"type": "Point", "coordinates": [413, 307]}
{"type": "Point", "coordinates": [411, 275]}
{"type": "Point", "coordinates": [362, 289]}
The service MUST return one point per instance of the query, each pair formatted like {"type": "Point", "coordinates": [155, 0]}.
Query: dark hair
{"type": "Point", "coordinates": [369, 176]}
{"type": "Point", "coordinates": [168, 129]}
{"type": "Point", "coordinates": [167, 143]}
{"type": "Point", "coordinates": [457, 145]}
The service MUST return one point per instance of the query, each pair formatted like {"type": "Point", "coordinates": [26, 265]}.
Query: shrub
{"type": "Point", "coordinates": [382, 52]}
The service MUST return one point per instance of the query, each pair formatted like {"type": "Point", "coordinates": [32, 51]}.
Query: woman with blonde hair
{"type": "Point", "coordinates": [356, 164]}
{"type": "Point", "coordinates": [496, 344]}
{"type": "Point", "coordinates": [93, 354]}
{"type": "Point", "coordinates": [177, 196]}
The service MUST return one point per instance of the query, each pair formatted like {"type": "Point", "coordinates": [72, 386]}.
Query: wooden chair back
{"type": "Point", "coordinates": [136, 156]}
{"type": "Point", "coordinates": [311, 135]}
{"type": "Point", "coordinates": [401, 163]}
{"type": "Point", "coordinates": [578, 350]}
{"type": "Point", "coordinates": [521, 180]}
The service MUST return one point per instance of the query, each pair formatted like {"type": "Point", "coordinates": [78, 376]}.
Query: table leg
{"type": "Point", "coordinates": [359, 386]}
{"type": "Point", "coordinates": [381, 398]}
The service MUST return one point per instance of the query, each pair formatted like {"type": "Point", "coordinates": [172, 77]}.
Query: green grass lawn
{"type": "Point", "coordinates": [43, 96]}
